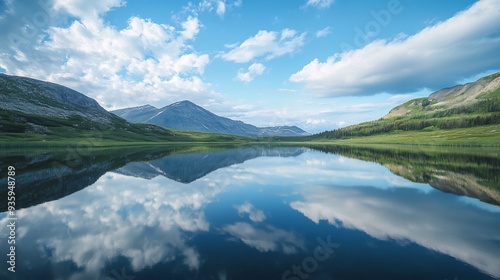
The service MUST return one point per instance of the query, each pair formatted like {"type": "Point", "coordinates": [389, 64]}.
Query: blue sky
{"type": "Point", "coordinates": [318, 64]}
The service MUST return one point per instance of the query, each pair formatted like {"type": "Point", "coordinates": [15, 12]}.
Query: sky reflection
{"type": "Point", "coordinates": [156, 221]}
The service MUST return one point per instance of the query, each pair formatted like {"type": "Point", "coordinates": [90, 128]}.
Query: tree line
{"type": "Point", "coordinates": [485, 112]}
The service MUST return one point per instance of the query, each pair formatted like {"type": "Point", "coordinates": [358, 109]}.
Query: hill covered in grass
{"type": "Point", "coordinates": [460, 109]}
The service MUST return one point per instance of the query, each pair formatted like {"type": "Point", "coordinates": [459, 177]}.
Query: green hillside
{"type": "Point", "coordinates": [471, 112]}
{"type": "Point", "coordinates": [21, 129]}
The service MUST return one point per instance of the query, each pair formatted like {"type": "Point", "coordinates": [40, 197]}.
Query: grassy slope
{"type": "Point", "coordinates": [474, 124]}
{"type": "Point", "coordinates": [488, 135]}
{"type": "Point", "coordinates": [19, 129]}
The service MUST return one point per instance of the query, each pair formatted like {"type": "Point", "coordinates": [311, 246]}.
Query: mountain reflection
{"type": "Point", "coordinates": [474, 173]}
{"type": "Point", "coordinates": [52, 175]}
{"type": "Point", "coordinates": [186, 168]}
{"type": "Point", "coordinates": [253, 213]}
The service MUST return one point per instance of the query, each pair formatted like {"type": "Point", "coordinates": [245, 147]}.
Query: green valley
{"type": "Point", "coordinates": [36, 113]}
{"type": "Point", "coordinates": [20, 130]}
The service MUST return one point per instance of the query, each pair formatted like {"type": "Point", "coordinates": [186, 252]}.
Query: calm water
{"type": "Point", "coordinates": [253, 213]}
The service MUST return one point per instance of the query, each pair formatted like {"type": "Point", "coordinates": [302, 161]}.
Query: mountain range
{"type": "Point", "coordinates": [38, 107]}
{"type": "Point", "coordinates": [37, 111]}
{"type": "Point", "coordinates": [185, 115]}
{"type": "Point", "coordinates": [33, 111]}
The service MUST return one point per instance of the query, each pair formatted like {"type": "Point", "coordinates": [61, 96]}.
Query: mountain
{"type": "Point", "coordinates": [458, 99]}
{"type": "Point", "coordinates": [36, 111]}
{"type": "Point", "coordinates": [185, 115]}
{"type": "Point", "coordinates": [461, 109]}
{"type": "Point", "coordinates": [48, 99]}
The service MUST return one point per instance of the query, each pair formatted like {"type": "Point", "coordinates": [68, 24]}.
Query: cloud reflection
{"type": "Point", "coordinates": [154, 222]}
{"type": "Point", "coordinates": [456, 229]}
{"type": "Point", "coordinates": [254, 214]}
{"type": "Point", "coordinates": [146, 222]}
{"type": "Point", "coordinates": [266, 239]}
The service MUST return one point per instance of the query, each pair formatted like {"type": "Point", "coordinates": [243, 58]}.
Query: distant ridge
{"type": "Point", "coordinates": [185, 115]}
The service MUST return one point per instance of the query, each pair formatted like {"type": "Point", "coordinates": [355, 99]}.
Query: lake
{"type": "Point", "coordinates": [253, 212]}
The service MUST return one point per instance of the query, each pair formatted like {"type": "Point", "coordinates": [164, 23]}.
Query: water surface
{"type": "Point", "coordinates": [255, 213]}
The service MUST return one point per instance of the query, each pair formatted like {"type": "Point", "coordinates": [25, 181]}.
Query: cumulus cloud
{"type": "Point", "coordinates": [320, 4]}
{"type": "Point", "coordinates": [435, 57]}
{"type": "Point", "coordinates": [323, 32]}
{"type": "Point", "coordinates": [219, 6]}
{"type": "Point", "coordinates": [267, 44]}
{"type": "Point", "coordinates": [69, 43]}
{"type": "Point", "coordinates": [191, 27]}
{"type": "Point", "coordinates": [254, 70]}
{"type": "Point", "coordinates": [84, 9]}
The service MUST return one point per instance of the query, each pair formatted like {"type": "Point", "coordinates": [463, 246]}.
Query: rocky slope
{"type": "Point", "coordinates": [32, 96]}
{"type": "Point", "coordinates": [459, 96]}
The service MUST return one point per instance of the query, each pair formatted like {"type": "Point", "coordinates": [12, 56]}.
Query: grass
{"type": "Point", "coordinates": [488, 135]}
{"type": "Point", "coordinates": [479, 136]}
{"type": "Point", "coordinates": [25, 130]}
{"type": "Point", "coordinates": [493, 94]}
{"type": "Point", "coordinates": [17, 131]}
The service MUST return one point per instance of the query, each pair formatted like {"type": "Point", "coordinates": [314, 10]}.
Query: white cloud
{"type": "Point", "coordinates": [191, 27]}
{"type": "Point", "coordinates": [254, 70]}
{"type": "Point", "coordinates": [435, 57]}
{"type": "Point", "coordinates": [320, 4]}
{"type": "Point", "coordinates": [268, 44]}
{"type": "Point", "coordinates": [145, 62]}
{"type": "Point", "coordinates": [86, 9]}
{"type": "Point", "coordinates": [191, 61]}
{"type": "Point", "coordinates": [287, 33]}
{"type": "Point", "coordinates": [315, 121]}
{"type": "Point", "coordinates": [221, 8]}
{"type": "Point", "coordinates": [323, 32]}
{"type": "Point", "coordinates": [254, 214]}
